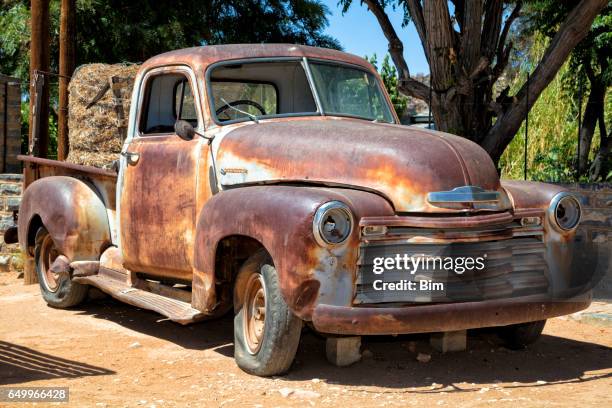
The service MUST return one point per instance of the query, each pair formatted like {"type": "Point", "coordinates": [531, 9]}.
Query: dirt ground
{"type": "Point", "coordinates": [111, 354]}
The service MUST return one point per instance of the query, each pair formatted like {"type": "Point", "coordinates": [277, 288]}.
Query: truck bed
{"type": "Point", "coordinates": [104, 180]}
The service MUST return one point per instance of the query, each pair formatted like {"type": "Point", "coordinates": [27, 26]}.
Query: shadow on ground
{"type": "Point", "coordinates": [19, 364]}
{"type": "Point", "coordinates": [214, 334]}
{"type": "Point", "coordinates": [392, 364]}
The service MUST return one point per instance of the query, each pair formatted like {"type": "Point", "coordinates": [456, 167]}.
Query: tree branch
{"type": "Point", "coordinates": [406, 84]}
{"type": "Point", "coordinates": [575, 27]}
{"type": "Point", "coordinates": [414, 88]}
{"type": "Point", "coordinates": [504, 34]}
{"type": "Point", "coordinates": [396, 47]}
{"type": "Point", "coordinates": [492, 26]}
{"type": "Point", "coordinates": [416, 12]}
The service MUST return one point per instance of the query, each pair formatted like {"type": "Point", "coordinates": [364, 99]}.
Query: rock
{"type": "Point", "coordinates": [12, 203]}
{"type": "Point", "coordinates": [5, 262]}
{"type": "Point", "coordinates": [135, 345]}
{"type": "Point", "coordinates": [343, 351]}
{"type": "Point", "coordinates": [11, 177]}
{"type": "Point", "coordinates": [6, 222]}
{"type": "Point", "coordinates": [298, 393]}
{"type": "Point", "coordinates": [367, 354]}
{"type": "Point", "coordinates": [412, 346]}
{"type": "Point", "coordinates": [540, 382]}
{"type": "Point", "coordinates": [10, 189]}
{"type": "Point", "coordinates": [449, 341]}
{"type": "Point", "coordinates": [305, 394]}
{"type": "Point", "coordinates": [315, 380]}
{"type": "Point", "coordinates": [17, 262]}
{"type": "Point", "coordinates": [423, 358]}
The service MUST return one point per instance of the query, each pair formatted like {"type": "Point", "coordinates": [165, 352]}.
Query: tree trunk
{"type": "Point", "coordinates": [594, 108]}
{"type": "Point", "coordinates": [602, 164]}
{"type": "Point", "coordinates": [39, 61]}
{"type": "Point", "coordinates": [67, 63]}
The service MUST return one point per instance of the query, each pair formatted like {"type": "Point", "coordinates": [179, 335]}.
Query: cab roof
{"type": "Point", "coordinates": [202, 57]}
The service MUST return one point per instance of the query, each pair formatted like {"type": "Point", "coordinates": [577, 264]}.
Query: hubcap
{"type": "Point", "coordinates": [48, 253]}
{"type": "Point", "coordinates": [255, 312]}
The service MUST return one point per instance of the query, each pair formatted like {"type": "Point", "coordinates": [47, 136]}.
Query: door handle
{"type": "Point", "coordinates": [131, 157]}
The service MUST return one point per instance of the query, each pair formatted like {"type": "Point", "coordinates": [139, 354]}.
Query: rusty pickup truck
{"type": "Point", "coordinates": [276, 182]}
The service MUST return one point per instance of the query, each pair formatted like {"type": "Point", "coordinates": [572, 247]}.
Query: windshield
{"type": "Point", "coordinates": [252, 90]}
{"type": "Point", "coordinates": [350, 91]}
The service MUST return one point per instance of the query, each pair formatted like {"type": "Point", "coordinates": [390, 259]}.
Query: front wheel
{"type": "Point", "coordinates": [57, 289]}
{"type": "Point", "coordinates": [266, 332]}
{"type": "Point", "coordinates": [518, 336]}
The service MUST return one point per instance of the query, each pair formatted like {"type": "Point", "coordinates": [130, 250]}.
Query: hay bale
{"type": "Point", "coordinates": [98, 112]}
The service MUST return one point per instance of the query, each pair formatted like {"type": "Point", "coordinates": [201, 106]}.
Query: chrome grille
{"type": "Point", "coordinates": [515, 263]}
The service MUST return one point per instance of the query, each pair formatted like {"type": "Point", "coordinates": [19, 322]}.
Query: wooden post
{"type": "Point", "coordinates": [29, 270]}
{"type": "Point", "coordinates": [39, 61]}
{"type": "Point", "coordinates": [67, 64]}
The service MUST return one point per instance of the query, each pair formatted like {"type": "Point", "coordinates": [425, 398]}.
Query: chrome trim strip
{"type": "Point", "coordinates": [464, 194]}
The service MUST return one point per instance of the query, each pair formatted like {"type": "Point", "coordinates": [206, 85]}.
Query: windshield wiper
{"type": "Point", "coordinates": [250, 115]}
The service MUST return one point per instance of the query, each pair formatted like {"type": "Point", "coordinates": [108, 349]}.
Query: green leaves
{"type": "Point", "coordinates": [389, 76]}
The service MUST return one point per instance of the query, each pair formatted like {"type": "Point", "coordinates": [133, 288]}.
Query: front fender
{"type": "Point", "coordinates": [280, 218]}
{"type": "Point", "coordinates": [72, 212]}
{"type": "Point", "coordinates": [575, 263]}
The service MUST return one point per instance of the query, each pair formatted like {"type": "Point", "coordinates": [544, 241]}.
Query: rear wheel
{"type": "Point", "coordinates": [57, 289]}
{"type": "Point", "coordinates": [518, 336]}
{"type": "Point", "coordinates": [266, 332]}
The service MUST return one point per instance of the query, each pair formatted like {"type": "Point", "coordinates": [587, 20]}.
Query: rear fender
{"type": "Point", "coordinates": [281, 219]}
{"type": "Point", "coordinates": [73, 213]}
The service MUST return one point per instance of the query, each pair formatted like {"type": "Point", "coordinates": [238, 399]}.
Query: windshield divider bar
{"type": "Point", "coordinates": [313, 87]}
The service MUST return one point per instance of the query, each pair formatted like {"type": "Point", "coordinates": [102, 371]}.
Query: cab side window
{"type": "Point", "coordinates": [167, 98]}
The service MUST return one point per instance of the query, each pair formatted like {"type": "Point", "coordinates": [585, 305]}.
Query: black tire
{"type": "Point", "coordinates": [61, 292]}
{"type": "Point", "coordinates": [276, 349]}
{"type": "Point", "coordinates": [519, 336]}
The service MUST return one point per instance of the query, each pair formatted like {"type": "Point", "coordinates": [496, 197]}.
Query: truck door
{"type": "Point", "coordinates": [158, 196]}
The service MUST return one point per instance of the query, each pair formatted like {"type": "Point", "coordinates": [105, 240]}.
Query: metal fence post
{"type": "Point", "coordinates": [579, 127]}
{"type": "Point", "coordinates": [526, 129]}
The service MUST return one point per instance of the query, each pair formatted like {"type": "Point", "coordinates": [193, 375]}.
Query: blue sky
{"type": "Point", "coordinates": [359, 33]}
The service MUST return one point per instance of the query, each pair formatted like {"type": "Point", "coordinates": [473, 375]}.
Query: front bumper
{"type": "Point", "coordinates": [444, 317]}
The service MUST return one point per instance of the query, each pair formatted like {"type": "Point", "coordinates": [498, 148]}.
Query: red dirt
{"type": "Point", "coordinates": [111, 354]}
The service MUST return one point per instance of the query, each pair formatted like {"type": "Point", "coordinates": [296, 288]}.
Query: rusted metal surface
{"type": "Point", "coordinates": [176, 310]}
{"type": "Point", "coordinates": [402, 163]}
{"type": "Point", "coordinates": [85, 268]}
{"type": "Point", "coordinates": [67, 207]}
{"type": "Point", "coordinates": [158, 206]}
{"type": "Point", "coordinates": [41, 167]}
{"type": "Point", "coordinates": [440, 317]}
{"type": "Point", "coordinates": [280, 218]}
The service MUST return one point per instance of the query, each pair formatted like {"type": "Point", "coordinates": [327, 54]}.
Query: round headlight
{"type": "Point", "coordinates": [565, 211]}
{"type": "Point", "coordinates": [333, 223]}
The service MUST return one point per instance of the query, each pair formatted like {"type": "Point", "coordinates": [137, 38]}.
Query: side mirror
{"type": "Point", "coordinates": [184, 130]}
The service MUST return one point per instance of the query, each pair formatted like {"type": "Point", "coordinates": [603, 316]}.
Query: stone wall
{"type": "Point", "coordinates": [10, 124]}
{"type": "Point", "coordinates": [10, 196]}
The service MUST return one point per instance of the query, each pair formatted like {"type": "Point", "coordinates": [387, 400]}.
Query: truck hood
{"type": "Point", "coordinates": [402, 163]}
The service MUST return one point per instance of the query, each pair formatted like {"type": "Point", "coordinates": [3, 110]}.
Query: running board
{"type": "Point", "coordinates": [176, 310]}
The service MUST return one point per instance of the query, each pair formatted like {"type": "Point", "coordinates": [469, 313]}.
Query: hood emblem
{"type": "Point", "coordinates": [464, 194]}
